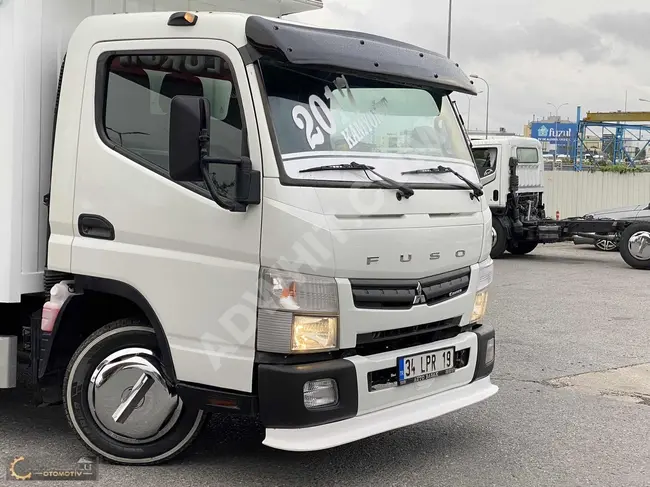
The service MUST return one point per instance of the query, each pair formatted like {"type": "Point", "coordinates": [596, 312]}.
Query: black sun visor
{"type": "Point", "coordinates": [354, 52]}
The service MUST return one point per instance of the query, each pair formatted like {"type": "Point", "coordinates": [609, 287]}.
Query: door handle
{"type": "Point", "coordinates": [96, 226]}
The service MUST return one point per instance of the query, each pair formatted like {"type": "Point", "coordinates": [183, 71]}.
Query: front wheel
{"type": "Point", "coordinates": [120, 402]}
{"type": "Point", "coordinates": [521, 248]}
{"type": "Point", "coordinates": [635, 245]}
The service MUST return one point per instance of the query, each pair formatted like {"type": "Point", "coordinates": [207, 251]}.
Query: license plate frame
{"type": "Point", "coordinates": [401, 376]}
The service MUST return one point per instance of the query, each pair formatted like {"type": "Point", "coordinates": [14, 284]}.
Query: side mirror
{"type": "Point", "coordinates": [189, 154]}
{"type": "Point", "coordinates": [489, 176]}
{"type": "Point", "coordinates": [189, 117]}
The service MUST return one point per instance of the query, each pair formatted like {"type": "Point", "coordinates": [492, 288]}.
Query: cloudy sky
{"type": "Point", "coordinates": [580, 52]}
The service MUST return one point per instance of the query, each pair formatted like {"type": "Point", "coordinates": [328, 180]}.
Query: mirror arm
{"type": "Point", "coordinates": [223, 202]}
{"type": "Point", "coordinates": [217, 160]}
{"type": "Point", "coordinates": [247, 182]}
{"type": "Point", "coordinates": [204, 141]}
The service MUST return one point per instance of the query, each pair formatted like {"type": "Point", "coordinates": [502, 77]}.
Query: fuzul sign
{"type": "Point", "coordinates": [554, 131]}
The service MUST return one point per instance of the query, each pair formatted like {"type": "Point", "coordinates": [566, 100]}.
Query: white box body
{"type": "Point", "coordinates": [34, 35]}
{"type": "Point", "coordinates": [8, 361]}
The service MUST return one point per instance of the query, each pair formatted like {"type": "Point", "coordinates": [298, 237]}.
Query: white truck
{"type": "Point", "coordinates": [233, 212]}
{"type": "Point", "coordinates": [512, 174]}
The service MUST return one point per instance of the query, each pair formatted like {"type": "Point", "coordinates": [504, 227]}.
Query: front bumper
{"type": "Point", "coordinates": [359, 427]}
{"type": "Point", "coordinates": [362, 409]}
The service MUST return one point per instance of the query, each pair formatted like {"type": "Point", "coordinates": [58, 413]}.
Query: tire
{"type": "Point", "coordinates": [183, 424]}
{"type": "Point", "coordinates": [521, 248]}
{"type": "Point", "coordinates": [638, 233]}
{"type": "Point", "coordinates": [500, 239]}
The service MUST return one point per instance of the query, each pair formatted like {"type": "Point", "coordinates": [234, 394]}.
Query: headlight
{"type": "Point", "coordinates": [485, 277]}
{"type": "Point", "coordinates": [313, 333]}
{"type": "Point", "coordinates": [297, 312]}
{"type": "Point", "coordinates": [480, 306]}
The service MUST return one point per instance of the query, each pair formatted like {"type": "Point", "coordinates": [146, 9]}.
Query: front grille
{"type": "Point", "coordinates": [401, 293]}
{"type": "Point", "coordinates": [407, 337]}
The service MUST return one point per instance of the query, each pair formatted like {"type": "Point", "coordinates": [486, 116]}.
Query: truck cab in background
{"type": "Point", "coordinates": [512, 174]}
{"type": "Point", "coordinates": [247, 215]}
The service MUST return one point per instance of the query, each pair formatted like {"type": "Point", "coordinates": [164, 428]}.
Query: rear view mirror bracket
{"type": "Point", "coordinates": [247, 183]}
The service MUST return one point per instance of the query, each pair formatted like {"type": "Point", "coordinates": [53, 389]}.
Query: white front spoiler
{"type": "Point", "coordinates": [359, 427]}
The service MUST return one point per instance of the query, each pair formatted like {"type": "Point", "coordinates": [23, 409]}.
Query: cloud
{"type": "Point", "coordinates": [539, 37]}
{"type": "Point", "coordinates": [632, 27]}
{"type": "Point", "coordinates": [580, 52]}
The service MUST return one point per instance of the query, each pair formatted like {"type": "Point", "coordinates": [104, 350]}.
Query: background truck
{"type": "Point", "coordinates": [220, 211]}
{"type": "Point", "coordinates": [512, 174]}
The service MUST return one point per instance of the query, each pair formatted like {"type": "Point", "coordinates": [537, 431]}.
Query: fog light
{"type": "Point", "coordinates": [489, 351]}
{"type": "Point", "coordinates": [480, 306]}
{"type": "Point", "coordinates": [320, 393]}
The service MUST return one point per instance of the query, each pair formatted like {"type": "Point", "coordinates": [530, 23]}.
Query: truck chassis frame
{"type": "Point", "coordinates": [522, 225]}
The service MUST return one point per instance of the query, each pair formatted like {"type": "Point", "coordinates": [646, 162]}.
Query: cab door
{"type": "Point", "coordinates": [489, 166]}
{"type": "Point", "coordinates": [194, 262]}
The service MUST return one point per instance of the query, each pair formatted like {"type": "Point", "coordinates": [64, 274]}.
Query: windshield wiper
{"type": "Point", "coordinates": [443, 169]}
{"type": "Point", "coordinates": [403, 190]}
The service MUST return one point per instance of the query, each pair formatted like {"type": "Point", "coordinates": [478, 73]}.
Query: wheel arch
{"type": "Point", "coordinates": [110, 300]}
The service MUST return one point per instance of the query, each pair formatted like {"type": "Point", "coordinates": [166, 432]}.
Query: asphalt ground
{"type": "Point", "coordinates": [573, 333]}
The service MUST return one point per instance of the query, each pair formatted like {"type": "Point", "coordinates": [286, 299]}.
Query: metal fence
{"type": "Point", "coordinates": [574, 193]}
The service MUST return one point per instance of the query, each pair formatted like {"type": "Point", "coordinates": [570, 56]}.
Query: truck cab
{"type": "Point", "coordinates": [493, 157]}
{"type": "Point", "coordinates": [250, 215]}
{"type": "Point", "coordinates": [511, 169]}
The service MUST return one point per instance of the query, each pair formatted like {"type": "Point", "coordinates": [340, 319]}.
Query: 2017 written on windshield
{"type": "Point", "coordinates": [362, 124]}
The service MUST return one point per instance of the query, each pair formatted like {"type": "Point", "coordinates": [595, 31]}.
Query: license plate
{"type": "Point", "coordinates": [424, 366]}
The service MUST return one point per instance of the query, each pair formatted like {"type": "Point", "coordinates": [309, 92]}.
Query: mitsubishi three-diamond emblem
{"type": "Point", "coordinates": [419, 298]}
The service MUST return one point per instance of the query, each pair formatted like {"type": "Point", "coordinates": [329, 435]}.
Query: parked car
{"type": "Point", "coordinates": [637, 213]}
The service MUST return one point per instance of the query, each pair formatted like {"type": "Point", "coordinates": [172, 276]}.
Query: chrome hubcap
{"type": "Point", "coordinates": [606, 245]}
{"type": "Point", "coordinates": [494, 237]}
{"type": "Point", "coordinates": [639, 245]}
{"type": "Point", "coordinates": [131, 399]}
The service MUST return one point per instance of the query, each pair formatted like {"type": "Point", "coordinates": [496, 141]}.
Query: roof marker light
{"type": "Point", "coordinates": [182, 19]}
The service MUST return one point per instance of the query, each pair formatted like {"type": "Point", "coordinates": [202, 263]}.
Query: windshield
{"type": "Point", "coordinates": [316, 111]}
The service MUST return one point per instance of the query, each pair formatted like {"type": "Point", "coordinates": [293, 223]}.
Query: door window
{"type": "Point", "coordinates": [137, 99]}
{"type": "Point", "coordinates": [486, 160]}
{"type": "Point", "coordinates": [527, 155]}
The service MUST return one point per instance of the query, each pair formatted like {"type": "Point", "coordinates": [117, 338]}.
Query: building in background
{"type": "Point", "coordinates": [502, 132]}
{"type": "Point", "coordinates": [593, 144]}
